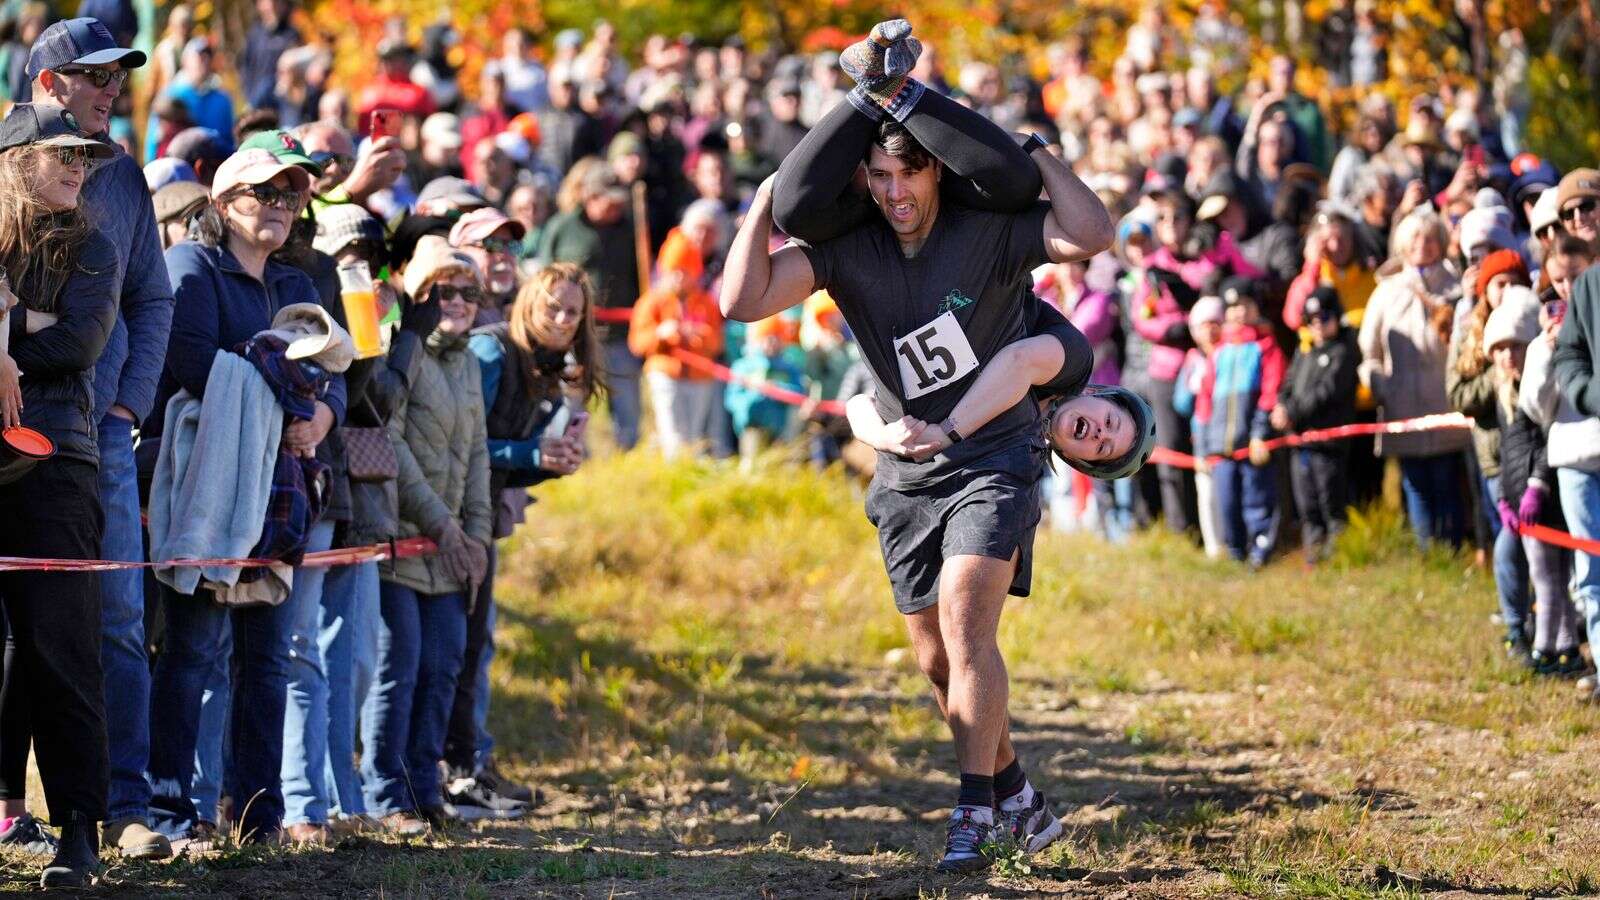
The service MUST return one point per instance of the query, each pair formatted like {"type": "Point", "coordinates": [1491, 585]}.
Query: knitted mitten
{"type": "Point", "coordinates": [881, 66]}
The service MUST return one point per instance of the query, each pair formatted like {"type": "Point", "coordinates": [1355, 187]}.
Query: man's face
{"type": "Point", "coordinates": [709, 176]}
{"type": "Point", "coordinates": [1582, 217]}
{"type": "Point", "coordinates": [1091, 429]}
{"type": "Point", "coordinates": [333, 150]}
{"type": "Point", "coordinates": [494, 166]}
{"type": "Point", "coordinates": [603, 209]}
{"type": "Point", "coordinates": [77, 92]}
{"type": "Point", "coordinates": [495, 256]}
{"type": "Point", "coordinates": [908, 198]}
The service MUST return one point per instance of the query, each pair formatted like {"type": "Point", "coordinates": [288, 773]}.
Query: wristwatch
{"type": "Point", "coordinates": [949, 430]}
{"type": "Point", "coordinates": [1034, 142]}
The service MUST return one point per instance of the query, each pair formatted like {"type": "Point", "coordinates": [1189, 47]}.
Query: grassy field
{"type": "Point", "coordinates": [703, 671]}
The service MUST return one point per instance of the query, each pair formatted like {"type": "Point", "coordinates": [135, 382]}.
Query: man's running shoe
{"type": "Point", "coordinates": [474, 798]}
{"type": "Point", "coordinates": [1032, 827]}
{"type": "Point", "coordinates": [30, 834]}
{"type": "Point", "coordinates": [963, 844]}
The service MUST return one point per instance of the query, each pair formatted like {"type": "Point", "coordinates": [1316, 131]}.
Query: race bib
{"type": "Point", "coordinates": [933, 356]}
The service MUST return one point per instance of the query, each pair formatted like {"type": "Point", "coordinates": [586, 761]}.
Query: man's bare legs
{"type": "Point", "coordinates": [957, 649]}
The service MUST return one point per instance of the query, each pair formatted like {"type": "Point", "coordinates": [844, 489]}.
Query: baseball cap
{"type": "Point", "coordinates": [1188, 117]}
{"type": "Point", "coordinates": [285, 146]}
{"type": "Point", "coordinates": [1324, 301]}
{"type": "Point", "coordinates": [1577, 185]}
{"type": "Point", "coordinates": [197, 143]}
{"type": "Point", "coordinates": [443, 129]}
{"type": "Point", "coordinates": [601, 180]}
{"type": "Point", "coordinates": [158, 173]}
{"type": "Point", "coordinates": [479, 224]}
{"type": "Point", "coordinates": [256, 166]}
{"type": "Point", "coordinates": [175, 200]}
{"type": "Point", "coordinates": [47, 125]}
{"type": "Point", "coordinates": [311, 333]}
{"type": "Point", "coordinates": [342, 224]}
{"type": "Point", "coordinates": [451, 191]}
{"type": "Point", "coordinates": [569, 39]}
{"type": "Point", "coordinates": [83, 42]}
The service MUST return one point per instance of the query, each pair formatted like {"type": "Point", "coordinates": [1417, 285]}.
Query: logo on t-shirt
{"type": "Point", "coordinates": [954, 301]}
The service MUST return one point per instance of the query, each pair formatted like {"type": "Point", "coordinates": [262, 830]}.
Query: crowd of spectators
{"type": "Point", "coordinates": [552, 237]}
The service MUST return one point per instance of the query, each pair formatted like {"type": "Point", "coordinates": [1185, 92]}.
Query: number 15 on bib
{"type": "Point", "coordinates": [934, 356]}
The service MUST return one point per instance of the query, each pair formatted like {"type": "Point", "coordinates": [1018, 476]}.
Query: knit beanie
{"type": "Point", "coordinates": [1515, 320]}
{"type": "Point", "coordinates": [1499, 263]}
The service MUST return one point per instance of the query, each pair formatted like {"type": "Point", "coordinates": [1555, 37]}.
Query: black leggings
{"type": "Point", "coordinates": [812, 200]}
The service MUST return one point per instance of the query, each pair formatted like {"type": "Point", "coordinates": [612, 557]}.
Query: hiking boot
{"type": "Point", "coordinates": [965, 839]}
{"type": "Point", "coordinates": [489, 776]}
{"type": "Point", "coordinates": [1558, 664]}
{"type": "Point", "coordinates": [439, 816]}
{"type": "Point", "coordinates": [474, 799]}
{"type": "Point", "coordinates": [77, 861]}
{"type": "Point", "coordinates": [1032, 827]}
{"type": "Point", "coordinates": [30, 834]}
{"type": "Point", "coordinates": [135, 840]}
{"type": "Point", "coordinates": [1518, 650]}
{"type": "Point", "coordinates": [404, 824]}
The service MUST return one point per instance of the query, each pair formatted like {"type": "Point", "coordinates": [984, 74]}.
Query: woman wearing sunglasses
{"type": "Point", "coordinates": [437, 428]}
{"type": "Point", "coordinates": [227, 288]}
{"type": "Point", "coordinates": [63, 274]}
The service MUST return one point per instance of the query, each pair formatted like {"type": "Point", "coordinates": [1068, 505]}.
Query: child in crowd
{"type": "Point", "coordinates": [1246, 370]}
{"type": "Point", "coordinates": [1190, 399]}
{"type": "Point", "coordinates": [758, 420]}
{"type": "Point", "coordinates": [1320, 392]}
{"type": "Point", "coordinates": [829, 356]}
{"type": "Point", "coordinates": [1528, 495]}
{"type": "Point", "coordinates": [678, 314]}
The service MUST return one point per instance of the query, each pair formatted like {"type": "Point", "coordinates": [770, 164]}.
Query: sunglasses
{"type": "Point", "coordinates": [445, 292]}
{"type": "Point", "coordinates": [1583, 208]}
{"type": "Point", "coordinates": [323, 159]}
{"type": "Point", "coordinates": [268, 195]}
{"type": "Point", "coordinates": [1547, 233]}
{"type": "Point", "coordinates": [497, 245]}
{"type": "Point", "coordinates": [97, 77]}
{"type": "Point", "coordinates": [72, 156]}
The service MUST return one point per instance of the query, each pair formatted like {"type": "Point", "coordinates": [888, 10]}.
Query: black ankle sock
{"type": "Point", "coordinates": [1008, 782]}
{"type": "Point", "coordinates": [976, 790]}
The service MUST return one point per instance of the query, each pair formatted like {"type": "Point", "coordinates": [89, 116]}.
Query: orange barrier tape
{"type": "Point", "coordinates": [344, 556]}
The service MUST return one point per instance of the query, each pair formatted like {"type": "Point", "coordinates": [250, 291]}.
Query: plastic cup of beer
{"type": "Point", "coordinates": [360, 308]}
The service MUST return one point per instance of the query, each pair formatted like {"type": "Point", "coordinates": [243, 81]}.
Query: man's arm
{"type": "Point", "coordinates": [1002, 384]}
{"type": "Point", "coordinates": [1078, 225]}
{"type": "Point", "coordinates": [147, 306]}
{"type": "Point", "coordinates": [757, 284]}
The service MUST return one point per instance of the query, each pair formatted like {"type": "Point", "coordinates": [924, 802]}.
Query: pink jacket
{"type": "Point", "coordinates": [1160, 319]}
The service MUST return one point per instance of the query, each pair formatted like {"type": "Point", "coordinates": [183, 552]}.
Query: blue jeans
{"type": "Point", "coordinates": [1247, 506]}
{"type": "Point", "coordinates": [349, 643]}
{"type": "Point", "coordinates": [122, 653]}
{"type": "Point", "coordinates": [420, 645]}
{"type": "Point", "coordinates": [622, 383]}
{"type": "Point", "coordinates": [305, 715]}
{"type": "Point", "coordinates": [209, 749]}
{"type": "Point", "coordinates": [196, 640]}
{"type": "Point", "coordinates": [1510, 563]}
{"type": "Point", "coordinates": [1432, 488]}
{"type": "Point", "coordinates": [1580, 503]}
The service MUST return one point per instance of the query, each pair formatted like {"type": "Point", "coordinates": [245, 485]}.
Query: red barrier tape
{"type": "Point", "coordinates": [1165, 457]}
{"type": "Point", "coordinates": [766, 388]}
{"type": "Point", "coordinates": [617, 315]}
{"type": "Point", "coordinates": [344, 556]}
{"type": "Point", "coordinates": [1547, 535]}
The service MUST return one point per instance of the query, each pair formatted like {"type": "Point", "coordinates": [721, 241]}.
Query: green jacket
{"type": "Point", "coordinates": [438, 433]}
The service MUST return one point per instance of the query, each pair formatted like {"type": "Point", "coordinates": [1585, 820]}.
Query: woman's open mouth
{"type": "Point", "coordinates": [1081, 429]}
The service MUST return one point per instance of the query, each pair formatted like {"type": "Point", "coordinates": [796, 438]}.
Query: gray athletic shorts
{"type": "Point", "coordinates": [971, 513]}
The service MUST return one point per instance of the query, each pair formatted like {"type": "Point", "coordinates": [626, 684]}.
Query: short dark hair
{"type": "Point", "coordinates": [1572, 245]}
{"type": "Point", "coordinates": [898, 143]}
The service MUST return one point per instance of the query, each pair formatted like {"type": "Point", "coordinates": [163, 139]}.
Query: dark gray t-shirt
{"type": "Point", "coordinates": [977, 267]}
